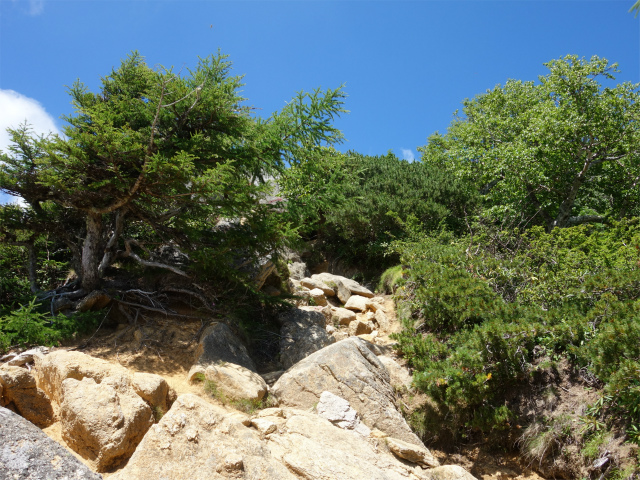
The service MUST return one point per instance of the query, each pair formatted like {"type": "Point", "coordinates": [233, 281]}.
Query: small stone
{"type": "Point", "coordinates": [264, 426]}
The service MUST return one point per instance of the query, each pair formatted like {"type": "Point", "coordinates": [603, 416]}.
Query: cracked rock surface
{"type": "Point", "coordinates": [349, 370]}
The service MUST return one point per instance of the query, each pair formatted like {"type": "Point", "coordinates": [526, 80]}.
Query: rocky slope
{"type": "Point", "coordinates": [333, 411]}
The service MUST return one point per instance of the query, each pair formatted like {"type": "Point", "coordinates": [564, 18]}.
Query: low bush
{"type": "Point", "coordinates": [29, 325]}
{"type": "Point", "coordinates": [480, 312]}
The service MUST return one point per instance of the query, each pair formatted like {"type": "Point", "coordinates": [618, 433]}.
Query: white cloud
{"type": "Point", "coordinates": [15, 110]}
{"type": "Point", "coordinates": [407, 154]}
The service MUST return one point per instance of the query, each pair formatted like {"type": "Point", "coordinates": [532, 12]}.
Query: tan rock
{"type": "Point", "coordinates": [349, 370]}
{"type": "Point", "coordinates": [340, 335]}
{"type": "Point", "coordinates": [358, 327]}
{"type": "Point", "coordinates": [382, 320]}
{"type": "Point", "coordinates": [264, 426]}
{"type": "Point", "coordinates": [57, 366]}
{"type": "Point", "coordinates": [19, 392]}
{"type": "Point", "coordinates": [369, 337]}
{"type": "Point", "coordinates": [318, 297]}
{"type": "Point", "coordinates": [342, 316]}
{"type": "Point", "coordinates": [311, 284]}
{"type": "Point", "coordinates": [375, 306]}
{"type": "Point", "coordinates": [400, 377]}
{"type": "Point", "coordinates": [357, 303]}
{"type": "Point", "coordinates": [236, 382]}
{"type": "Point", "coordinates": [448, 472]}
{"type": "Point", "coordinates": [153, 389]}
{"type": "Point", "coordinates": [270, 412]}
{"type": "Point", "coordinates": [411, 452]}
{"type": "Point", "coordinates": [342, 292]}
{"type": "Point", "coordinates": [101, 424]}
{"type": "Point", "coordinates": [313, 448]}
{"type": "Point", "coordinates": [224, 447]}
{"type": "Point", "coordinates": [354, 287]}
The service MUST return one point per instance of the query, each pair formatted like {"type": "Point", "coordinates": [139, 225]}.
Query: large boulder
{"type": "Point", "coordinates": [196, 440]}
{"type": "Point", "coordinates": [19, 392]}
{"type": "Point", "coordinates": [104, 409]}
{"type": "Point", "coordinates": [219, 344]}
{"type": "Point", "coordinates": [303, 332]}
{"type": "Point", "coordinates": [351, 371]}
{"type": "Point", "coordinates": [53, 369]}
{"type": "Point", "coordinates": [27, 453]}
{"type": "Point", "coordinates": [104, 426]}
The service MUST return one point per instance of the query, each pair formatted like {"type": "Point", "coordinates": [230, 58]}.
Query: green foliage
{"type": "Point", "coordinates": [156, 156]}
{"type": "Point", "coordinates": [28, 326]}
{"type": "Point", "coordinates": [390, 279]}
{"type": "Point", "coordinates": [480, 311]}
{"type": "Point", "coordinates": [359, 204]}
{"type": "Point", "coordinates": [560, 152]}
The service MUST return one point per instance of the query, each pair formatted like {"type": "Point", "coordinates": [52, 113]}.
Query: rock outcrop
{"type": "Point", "coordinates": [303, 332]}
{"type": "Point", "coordinates": [103, 425]}
{"type": "Point", "coordinates": [104, 409]}
{"type": "Point", "coordinates": [218, 344]}
{"type": "Point", "coordinates": [351, 371]}
{"type": "Point", "coordinates": [197, 440]}
{"type": "Point", "coordinates": [27, 453]}
{"type": "Point", "coordinates": [19, 392]}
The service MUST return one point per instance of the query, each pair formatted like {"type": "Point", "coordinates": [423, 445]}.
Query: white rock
{"type": "Point", "coordinates": [339, 412]}
{"type": "Point", "coordinates": [357, 303]}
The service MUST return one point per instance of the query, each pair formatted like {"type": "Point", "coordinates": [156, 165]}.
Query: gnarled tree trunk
{"type": "Point", "coordinates": [92, 252]}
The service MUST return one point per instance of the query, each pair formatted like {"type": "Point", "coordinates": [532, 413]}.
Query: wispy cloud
{"type": "Point", "coordinates": [36, 7]}
{"type": "Point", "coordinates": [15, 110]}
{"type": "Point", "coordinates": [407, 154]}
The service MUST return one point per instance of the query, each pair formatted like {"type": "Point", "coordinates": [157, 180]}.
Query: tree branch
{"type": "Point", "coordinates": [146, 263]}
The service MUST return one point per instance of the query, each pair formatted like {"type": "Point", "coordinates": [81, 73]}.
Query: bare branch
{"type": "Point", "coordinates": [146, 263]}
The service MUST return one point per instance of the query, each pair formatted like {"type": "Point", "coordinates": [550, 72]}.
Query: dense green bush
{"type": "Point", "coordinates": [480, 311]}
{"type": "Point", "coordinates": [359, 204]}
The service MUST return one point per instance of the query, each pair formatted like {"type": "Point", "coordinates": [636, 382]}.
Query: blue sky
{"type": "Point", "coordinates": [406, 65]}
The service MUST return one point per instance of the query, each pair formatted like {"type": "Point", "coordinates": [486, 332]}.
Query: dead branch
{"type": "Point", "coordinates": [130, 253]}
